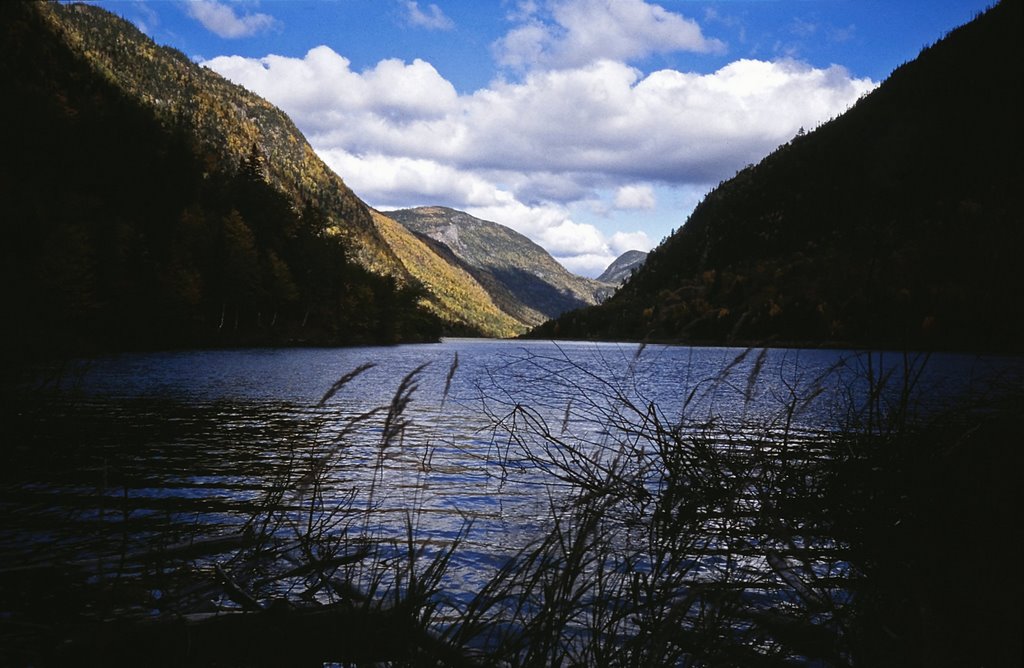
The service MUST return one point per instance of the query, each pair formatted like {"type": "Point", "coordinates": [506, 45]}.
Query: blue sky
{"type": "Point", "coordinates": [591, 126]}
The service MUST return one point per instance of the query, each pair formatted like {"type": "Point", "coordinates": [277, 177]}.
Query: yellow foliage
{"type": "Point", "coordinates": [453, 294]}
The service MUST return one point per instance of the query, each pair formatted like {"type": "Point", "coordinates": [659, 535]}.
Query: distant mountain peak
{"type": "Point", "coordinates": [623, 267]}
{"type": "Point", "coordinates": [523, 279]}
{"type": "Point", "coordinates": [896, 224]}
{"type": "Point", "coordinates": [153, 203]}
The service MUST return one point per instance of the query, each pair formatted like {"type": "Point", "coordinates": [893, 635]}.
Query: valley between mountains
{"type": "Point", "coordinates": [155, 204]}
{"type": "Point", "coordinates": [150, 203]}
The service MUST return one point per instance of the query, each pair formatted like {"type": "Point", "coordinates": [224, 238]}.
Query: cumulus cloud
{"type": "Point", "coordinates": [571, 33]}
{"type": "Point", "coordinates": [431, 19]}
{"type": "Point", "coordinates": [322, 93]}
{"type": "Point", "coordinates": [524, 153]}
{"type": "Point", "coordinates": [586, 265]}
{"type": "Point", "coordinates": [547, 224]}
{"type": "Point", "coordinates": [635, 197]}
{"type": "Point", "coordinates": [222, 20]}
{"type": "Point", "coordinates": [592, 260]}
{"type": "Point", "coordinates": [621, 242]}
{"type": "Point", "coordinates": [603, 121]}
{"type": "Point", "coordinates": [571, 238]}
{"type": "Point", "coordinates": [390, 182]}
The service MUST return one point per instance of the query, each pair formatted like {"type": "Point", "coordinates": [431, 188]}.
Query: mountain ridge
{"type": "Point", "coordinates": [134, 220]}
{"type": "Point", "coordinates": [453, 292]}
{"type": "Point", "coordinates": [889, 226]}
{"type": "Point", "coordinates": [622, 267]}
{"type": "Point", "coordinates": [229, 121]}
{"type": "Point", "coordinates": [522, 278]}
{"type": "Point", "coordinates": [245, 175]}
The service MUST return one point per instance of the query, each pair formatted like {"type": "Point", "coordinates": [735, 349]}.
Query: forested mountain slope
{"type": "Point", "coordinates": [450, 290]}
{"type": "Point", "coordinates": [225, 121]}
{"type": "Point", "coordinates": [895, 224]}
{"type": "Point", "coordinates": [520, 276]}
{"type": "Point", "coordinates": [147, 202]}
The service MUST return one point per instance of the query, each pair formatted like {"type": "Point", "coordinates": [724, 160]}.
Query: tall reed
{"type": "Point", "coordinates": [782, 531]}
{"type": "Point", "coordinates": [695, 539]}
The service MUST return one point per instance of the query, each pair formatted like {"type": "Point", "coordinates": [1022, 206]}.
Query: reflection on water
{"type": "Point", "coordinates": [132, 452]}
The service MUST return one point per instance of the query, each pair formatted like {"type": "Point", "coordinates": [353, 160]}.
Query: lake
{"type": "Point", "coordinates": [478, 441]}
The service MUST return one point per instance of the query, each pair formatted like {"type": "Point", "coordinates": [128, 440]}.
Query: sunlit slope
{"type": "Point", "coordinates": [227, 122]}
{"type": "Point", "coordinates": [233, 128]}
{"type": "Point", "coordinates": [147, 203]}
{"type": "Point", "coordinates": [897, 224]}
{"type": "Point", "coordinates": [521, 277]}
{"type": "Point", "coordinates": [450, 291]}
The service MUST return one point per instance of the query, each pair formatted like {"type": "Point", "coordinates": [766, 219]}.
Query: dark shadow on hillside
{"type": "Point", "coordinates": [519, 293]}
{"type": "Point", "coordinates": [537, 293]}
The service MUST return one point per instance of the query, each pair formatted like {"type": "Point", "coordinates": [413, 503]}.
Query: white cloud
{"type": "Point", "coordinates": [323, 95]}
{"type": "Point", "coordinates": [621, 242]}
{"type": "Point", "coordinates": [577, 32]}
{"type": "Point", "coordinates": [525, 153]}
{"type": "Point", "coordinates": [570, 128]}
{"type": "Point", "coordinates": [593, 260]}
{"type": "Point", "coordinates": [390, 182]}
{"type": "Point", "coordinates": [586, 265]}
{"type": "Point", "coordinates": [569, 238]}
{"type": "Point", "coordinates": [222, 20]}
{"type": "Point", "coordinates": [534, 221]}
{"type": "Point", "coordinates": [432, 19]}
{"type": "Point", "coordinates": [635, 197]}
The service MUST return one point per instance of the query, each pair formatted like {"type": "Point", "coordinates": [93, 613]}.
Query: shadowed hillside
{"type": "Point", "coordinates": [451, 291]}
{"type": "Point", "coordinates": [521, 277]}
{"type": "Point", "coordinates": [223, 120]}
{"type": "Point", "coordinates": [895, 224]}
{"type": "Point", "coordinates": [147, 203]}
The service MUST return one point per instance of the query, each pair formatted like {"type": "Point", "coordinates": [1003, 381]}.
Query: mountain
{"type": "Point", "coordinates": [226, 122]}
{"type": "Point", "coordinates": [520, 276]}
{"type": "Point", "coordinates": [148, 202]}
{"type": "Point", "coordinates": [622, 267]}
{"type": "Point", "coordinates": [896, 224]}
{"type": "Point", "coordinates": [451, 292]}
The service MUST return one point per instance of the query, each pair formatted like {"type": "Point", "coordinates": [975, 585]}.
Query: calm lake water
{"type": "Point", "coordinates": [139, 450]}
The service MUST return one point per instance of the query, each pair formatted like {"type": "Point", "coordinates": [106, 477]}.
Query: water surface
{"type": "Point", "coordinates": [139, 450]}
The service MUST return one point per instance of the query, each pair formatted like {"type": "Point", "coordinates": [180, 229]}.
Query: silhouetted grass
{"type": "Point", "coordinates": [823, 520]}
{"type": "Point", "coordinates": [697, 540]}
